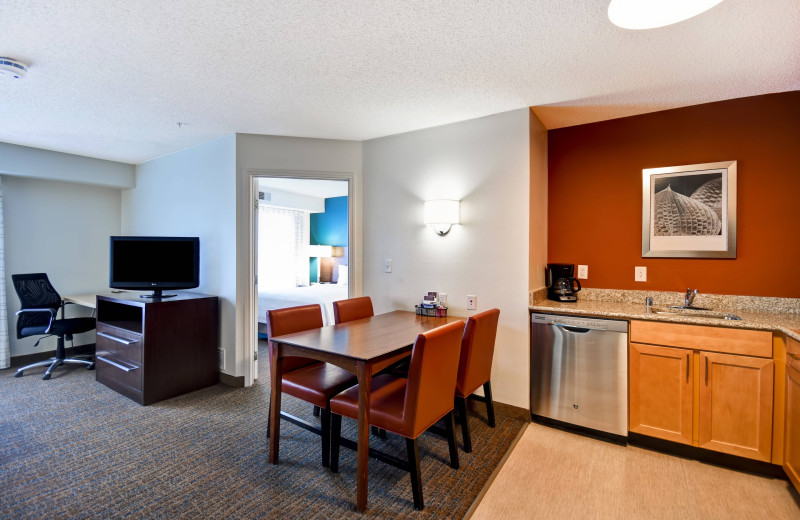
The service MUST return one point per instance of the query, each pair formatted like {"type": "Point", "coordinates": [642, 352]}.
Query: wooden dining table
{"type": "Point", "coordinates": [356, 346]}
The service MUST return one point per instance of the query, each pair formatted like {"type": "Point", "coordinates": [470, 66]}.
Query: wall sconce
{"type": "Point", "coordinates": [442, 214]}
{"type": "Point", "coordinates": [638, 14]}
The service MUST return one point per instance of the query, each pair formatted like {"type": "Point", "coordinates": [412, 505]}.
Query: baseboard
{"type": "Point", "coordinates": [506, 410]}
{"type": "Point", "coordinates": [229, 380]}
{"type": "Point", "coordinates": [755, 467]}
{"type": "Point", "coordinates": [28, 359]}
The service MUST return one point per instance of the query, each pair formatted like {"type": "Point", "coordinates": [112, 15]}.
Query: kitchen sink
{"type": "Point", "coordinates": [693, 311]}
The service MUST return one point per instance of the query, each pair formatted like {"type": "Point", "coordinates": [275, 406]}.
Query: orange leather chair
{"type": "Point", "coordinates": [305, 378]}
{"type": "Point", "coordinates": [352, 309]}
{"type": "Point", "coordinates": [475, 367]}
{"type": "Point", "coordinates": [408, 407]}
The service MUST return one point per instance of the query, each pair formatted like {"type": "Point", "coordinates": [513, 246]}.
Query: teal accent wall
{"type": "Point", "coordinates": [330, 229]}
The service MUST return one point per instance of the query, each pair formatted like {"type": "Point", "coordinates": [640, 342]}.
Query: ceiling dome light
{"type": "Point", "coordinates": [12, 67]}
{"type": "Point", "coordinates": [649, 14]}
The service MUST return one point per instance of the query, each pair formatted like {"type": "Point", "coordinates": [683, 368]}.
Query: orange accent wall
{"type": "Point", "coordinates": [595, 195]}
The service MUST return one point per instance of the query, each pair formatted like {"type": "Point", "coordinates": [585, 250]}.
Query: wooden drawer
{"type": "Point", "coordinates": [113, 369]}
{"type": "Point", "coordinates": [119, 343]}
{"type": "Point", "coordinates": [793, 353]}
{"type": "Point", "coordinates": [701, 337]}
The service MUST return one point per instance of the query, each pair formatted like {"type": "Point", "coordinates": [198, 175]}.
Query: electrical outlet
{"type": "Point", "coordinates": [387, 265]}
{"type": "Point", "coordinates": [583, 272]}
{"type": "Point", "coordinates": [640, 274]}
{"type": "Point", "coordinates": [472, 302]}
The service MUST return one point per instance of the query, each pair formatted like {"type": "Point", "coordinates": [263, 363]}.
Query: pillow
{"type": "Point", "coordinates": [342, 275]}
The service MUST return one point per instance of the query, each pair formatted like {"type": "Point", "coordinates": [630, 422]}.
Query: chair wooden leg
{"type": "Point", "coordinates": [316, 411]}
{"type": "Point", "coordinates": [461, 404]}
{"type": "Point", "coordinates": [326, 437]}
{"type": "Point", "coordinates": [269, 414]}
{"type": "Point", "coordinates": [336, 439]}
{"type": "Point", "coordinates": [487, 392]}
{"type": "Point", "coordinates": [416, 476]}
{"type": "Point", "coordinates": [450, 426]}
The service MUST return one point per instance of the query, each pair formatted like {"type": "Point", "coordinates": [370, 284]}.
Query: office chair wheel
{"type": "Point", "coordinates": [90, 367]}
{"type": "Point", "coordinates": [46, 376]}
{"type": "Point", "coordinates": [18, 374]}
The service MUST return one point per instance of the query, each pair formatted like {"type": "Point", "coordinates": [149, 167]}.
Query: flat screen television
{"type": "Point", "coordinates": [157, 263]}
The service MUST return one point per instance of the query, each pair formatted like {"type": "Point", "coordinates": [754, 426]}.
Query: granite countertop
{"type": "Point", "coordinates": [761, 313]}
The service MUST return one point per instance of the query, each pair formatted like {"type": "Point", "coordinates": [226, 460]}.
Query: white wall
{"type": "Point", "coordinates": [23, 161]}
{"type": "Point", "coordinates": [289, 154]}
{"type": "Point", "coordinates": [61, 229]}
{"type": "Point", "coordinates": [193, 193]}
{"type": "Point", "coordinates": [486, 164]}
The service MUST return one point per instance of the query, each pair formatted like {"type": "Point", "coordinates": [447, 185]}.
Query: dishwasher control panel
{"type": "Point", "coordinates": [579, 322]}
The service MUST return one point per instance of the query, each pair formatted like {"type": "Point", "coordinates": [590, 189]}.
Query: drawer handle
{"type": "Point", "coordinates": [117, 339]}
{"type": "Point", "coordinates": [118, 365]}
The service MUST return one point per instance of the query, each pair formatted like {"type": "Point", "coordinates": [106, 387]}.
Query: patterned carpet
{"type": "Point", "coordinates": [72, 448]}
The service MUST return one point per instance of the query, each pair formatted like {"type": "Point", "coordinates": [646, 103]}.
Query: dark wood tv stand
{"type": "Point", "coordinates": [151, 350]}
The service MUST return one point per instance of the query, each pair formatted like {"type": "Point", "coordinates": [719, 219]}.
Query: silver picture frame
{"type": "Point", "coordinates": [689, 211]}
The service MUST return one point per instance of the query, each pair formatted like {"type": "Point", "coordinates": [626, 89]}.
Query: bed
{"type": "Point", "coordinates": [324, 294]}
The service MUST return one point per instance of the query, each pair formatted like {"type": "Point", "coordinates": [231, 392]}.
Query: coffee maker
{"type": "Point", "coordinates": [560, 279]}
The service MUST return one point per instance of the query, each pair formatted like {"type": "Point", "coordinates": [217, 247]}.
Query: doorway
{"type": "Point", "coordinates": [301, 249]}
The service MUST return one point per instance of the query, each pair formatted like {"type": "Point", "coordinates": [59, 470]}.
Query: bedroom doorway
{"type": "Point", "coordinates": [302, 245]}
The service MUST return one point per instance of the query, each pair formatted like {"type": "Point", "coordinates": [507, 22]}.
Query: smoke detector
{"type": "Point", "coordinates": [13, 68]}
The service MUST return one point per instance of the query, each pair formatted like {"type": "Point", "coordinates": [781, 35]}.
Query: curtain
{"type": "Point", "coordinates": [283, 237]}
{"type": "Point", "coordinates": [5, 351]}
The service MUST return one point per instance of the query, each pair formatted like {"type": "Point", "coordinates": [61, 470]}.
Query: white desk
{"type": "Point", "coordinates": [90, 300]}
{"type": "Point", "coordinates": [85, 300]}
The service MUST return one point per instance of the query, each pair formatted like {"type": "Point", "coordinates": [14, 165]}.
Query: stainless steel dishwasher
{"type": "Point", "coordinates": [579, 373]}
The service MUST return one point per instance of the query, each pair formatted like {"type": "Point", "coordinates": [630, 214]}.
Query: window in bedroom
{"type": "Point", "coordinates": [283, 235]}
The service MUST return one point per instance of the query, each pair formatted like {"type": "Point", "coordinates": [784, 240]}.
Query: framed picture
{"type": "Point", "coordinates": [689, 211]}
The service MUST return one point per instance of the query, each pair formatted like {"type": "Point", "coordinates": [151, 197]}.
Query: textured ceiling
{"type": "Point", "coordinates": [111, 79]}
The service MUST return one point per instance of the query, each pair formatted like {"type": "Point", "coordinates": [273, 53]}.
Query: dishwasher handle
{"type": "Point", "coordinates": [577, 330]}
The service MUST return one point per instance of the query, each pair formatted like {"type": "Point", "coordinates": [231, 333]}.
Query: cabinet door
{"type": "Point", "coordinates": [661, 392]}
{"type": "Point", "coordinates": [736, 405]}
{"type": "Point", "coordinates": [791, 461]}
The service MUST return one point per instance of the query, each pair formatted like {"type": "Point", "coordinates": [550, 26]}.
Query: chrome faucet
{"type": "Point", "coordinates": [690, 297]}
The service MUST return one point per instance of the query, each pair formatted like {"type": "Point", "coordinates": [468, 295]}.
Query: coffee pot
{"type": "Point", "coordinates": [561, 284]}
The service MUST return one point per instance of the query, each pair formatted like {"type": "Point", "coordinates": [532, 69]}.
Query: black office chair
{"type": "Point", "coordinates": [40, 304]}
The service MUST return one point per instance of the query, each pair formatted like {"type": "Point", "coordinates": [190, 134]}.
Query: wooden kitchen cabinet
{"type": "Point", "coordinates": [736, 405]}
{"type": "Point", "coordinates": [791, 460]}
{"type": "Point", "coordinates": [660, 387]}
{"type": "Point", "coordinates": [705, 386]}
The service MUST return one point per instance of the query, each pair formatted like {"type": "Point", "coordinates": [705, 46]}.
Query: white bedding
{"type": "Point", "coordinates": [324, 294]}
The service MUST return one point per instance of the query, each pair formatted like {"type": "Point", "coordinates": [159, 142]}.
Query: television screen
{"type": "Point", "coordinates": [142, 263]}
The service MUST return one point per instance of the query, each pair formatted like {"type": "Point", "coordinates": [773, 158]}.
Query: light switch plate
{"type": "Point", "coordinates": [472, 302]}
{"type": "Point", "coordinates": [583, 272]}
{"type": "Point", "coordinates": [387, 265]}
{"type": "Point", "coordinates": [640, 274]}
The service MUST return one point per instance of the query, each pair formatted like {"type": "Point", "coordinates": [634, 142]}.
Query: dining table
{"type": "Point", "coordinates": [356, 346]}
